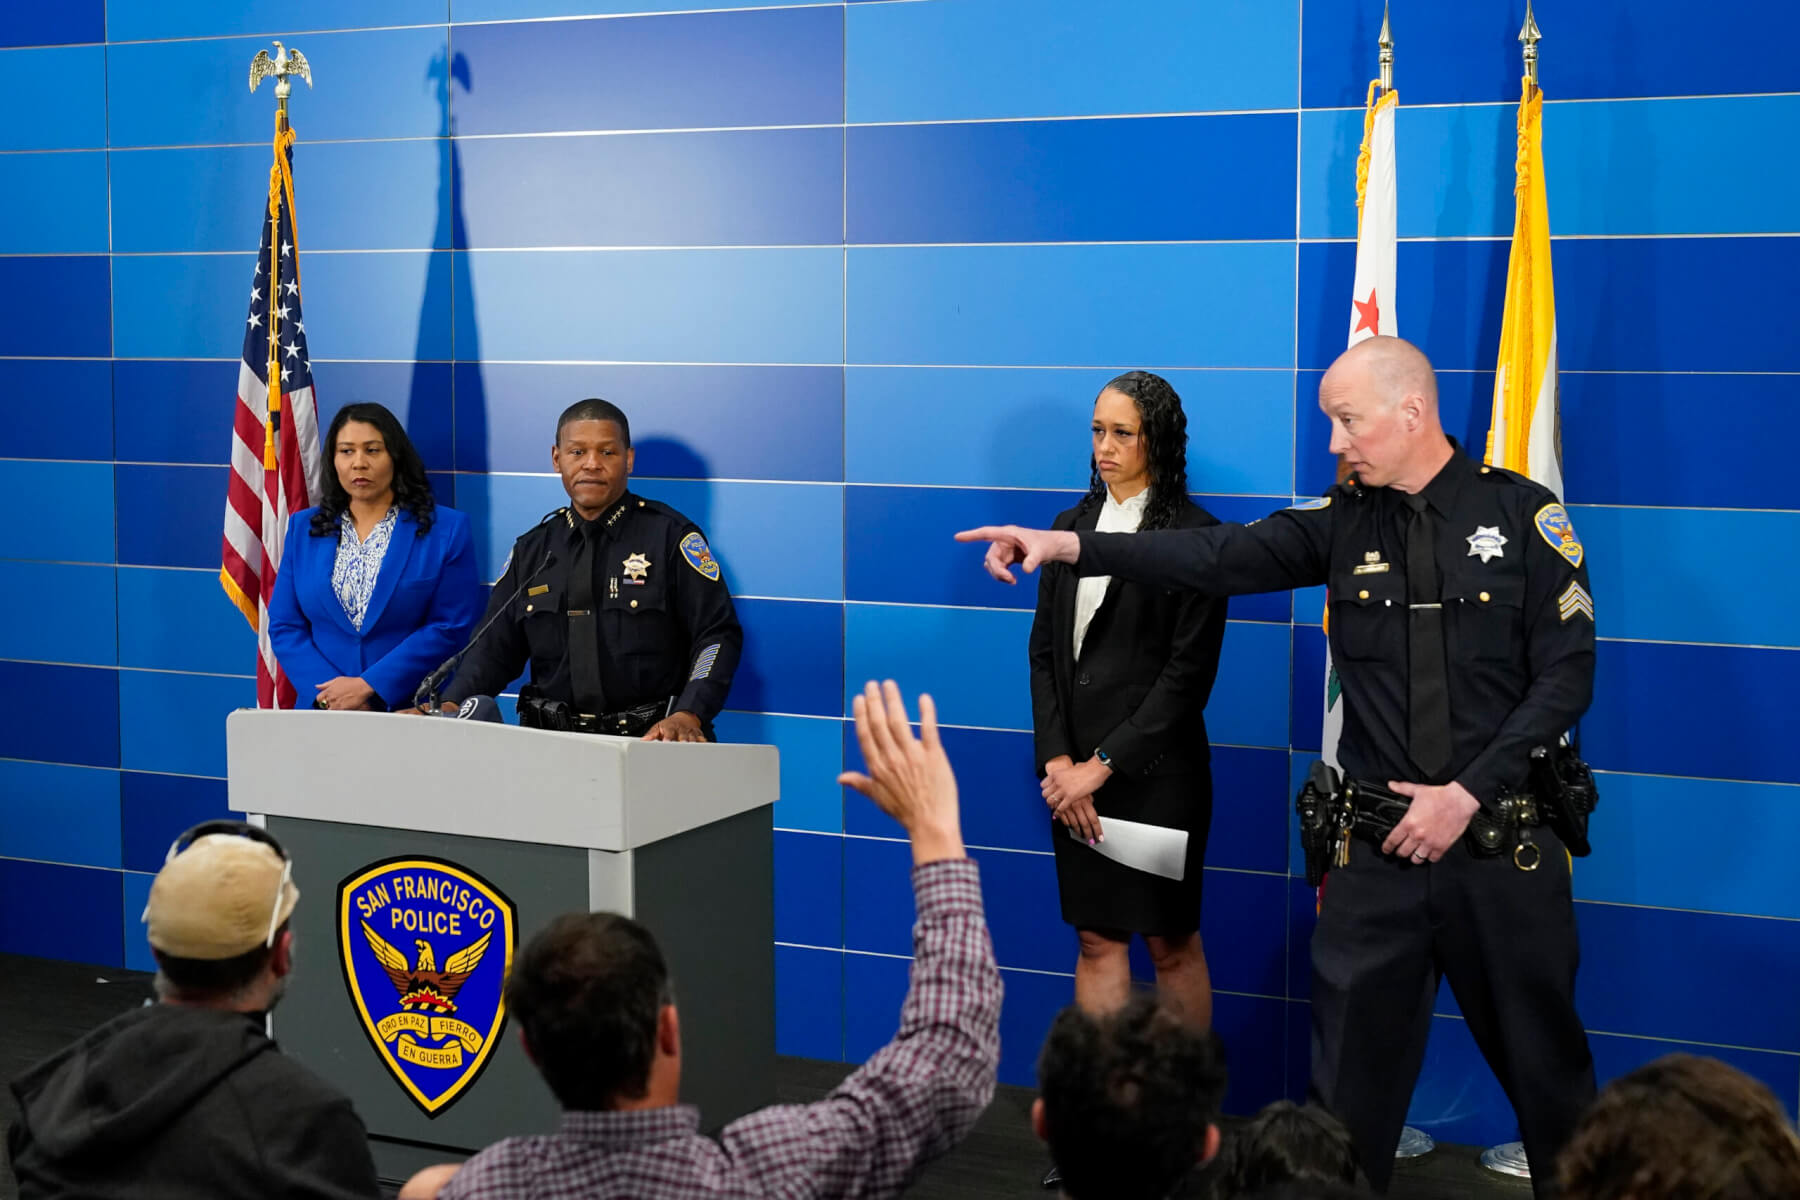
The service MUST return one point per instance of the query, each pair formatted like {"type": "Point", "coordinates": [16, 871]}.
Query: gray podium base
{"type": "Point", "coordinates": [705, 894]}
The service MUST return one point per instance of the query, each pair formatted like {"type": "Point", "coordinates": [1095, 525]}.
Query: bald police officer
{"type": "Point", "coordinates": [616, 602]}
{"type": "Point", "coordinates": [1463, 635]}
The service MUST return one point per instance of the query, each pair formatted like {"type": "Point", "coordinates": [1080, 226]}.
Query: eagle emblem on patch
{"type": "Point", "coordinates": [426, 946]}
{"type": "Point", "coordinates": [699, 556]}
{"type": "Point", "coordinates": [1554, 524]}
{"type": "Point", "coordinates": [1487, 541]}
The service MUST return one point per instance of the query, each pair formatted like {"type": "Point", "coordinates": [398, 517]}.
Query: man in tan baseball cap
{"type": "Point", "coordinates": [191, 1096]}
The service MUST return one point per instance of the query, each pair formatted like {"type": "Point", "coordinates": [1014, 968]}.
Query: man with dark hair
{"type": "Point", "coordinates": [615, 602]}
{"type": "Point", "coordinates": [1129, 1101]}
{"type": "Point", "coordinates": [190, 1097]}
{"type": "Point", "coordinates": [1682, 1128]}
{"type": "Point", "coordinates": [592, 997]}
{"type": "Point", "coordinates": [1288, 1142]}
{"type": "Point", "coordinates": [594, 986]}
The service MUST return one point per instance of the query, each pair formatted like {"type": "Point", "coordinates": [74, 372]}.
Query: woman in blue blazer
{"type": "Point", "coordinates": [377, 584]}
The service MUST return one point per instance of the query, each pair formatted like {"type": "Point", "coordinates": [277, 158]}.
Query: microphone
{"type": "Point", "coordinates": [427, 695]}
{"type": "Point", "coordinates": [480, 708]}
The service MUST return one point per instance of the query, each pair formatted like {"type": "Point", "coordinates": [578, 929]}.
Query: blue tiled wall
{"type": "Point", "coordinates": [857, 270]}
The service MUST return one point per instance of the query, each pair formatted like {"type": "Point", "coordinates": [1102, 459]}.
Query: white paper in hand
{"type": "Point", "coordinates": [1153, 848]}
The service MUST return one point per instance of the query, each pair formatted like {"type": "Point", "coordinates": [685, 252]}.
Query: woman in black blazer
{"type": "Point", "coordinates": [1120, 674]}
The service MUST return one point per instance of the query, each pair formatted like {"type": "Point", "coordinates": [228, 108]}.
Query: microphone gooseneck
{"type": "Point", "coordinates": [427, 695]}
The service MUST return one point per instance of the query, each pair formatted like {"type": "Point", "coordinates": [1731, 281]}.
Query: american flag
{"type": "Point", "coordinates": [274, 438]}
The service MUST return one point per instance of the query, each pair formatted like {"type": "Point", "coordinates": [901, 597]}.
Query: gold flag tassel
{"type": "Point", "coordinates": [273, 420]}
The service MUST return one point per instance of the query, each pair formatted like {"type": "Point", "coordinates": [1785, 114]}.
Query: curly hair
{"type": "Point", "coordinates": [1682, 1128]}
{"type": "Point", "coordinates": [412, 491]}
{"type": "Point", "coordinates": [1164, 430]}
{"type": "Point", "coordinates": [1128, 1099]}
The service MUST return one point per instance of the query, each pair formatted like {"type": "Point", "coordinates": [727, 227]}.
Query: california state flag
{"type": "Point", "coordinates": [1525, 435]}
{"type": "Point", "coordinates": [1372, 308]}
{"type": "Point", "coordinates": [1372, 298]}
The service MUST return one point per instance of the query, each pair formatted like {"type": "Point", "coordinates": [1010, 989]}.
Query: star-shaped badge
{"type": "Point", "coordinates": [637, 566]}
{"type": "Point", "coordinates": [1487, 541]}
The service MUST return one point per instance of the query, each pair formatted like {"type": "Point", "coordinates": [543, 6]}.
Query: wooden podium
{"type": "Point", "coordinates": [676, 836]}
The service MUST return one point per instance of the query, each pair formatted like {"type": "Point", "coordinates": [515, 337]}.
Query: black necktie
{"type": "Point", "coordinates": [584, 625]}
{"type": "Point", "coordinates": [1428, 687]}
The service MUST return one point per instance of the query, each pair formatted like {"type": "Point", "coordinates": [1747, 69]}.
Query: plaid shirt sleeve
{"type": "Point", "coordinates": [922, 1091]}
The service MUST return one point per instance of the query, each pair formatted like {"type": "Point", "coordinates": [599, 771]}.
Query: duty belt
{"type": "Point", "coordinates": [537, 713]}
{"type": "Point", "coordinates": [1332, 810]}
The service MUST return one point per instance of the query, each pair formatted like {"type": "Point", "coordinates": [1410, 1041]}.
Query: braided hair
{"type": "Point", "coordinates": [1163, 426]}
{"type": "Point", "coordinates": [412, 491]}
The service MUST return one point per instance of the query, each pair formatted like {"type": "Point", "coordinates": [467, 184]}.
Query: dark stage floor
{"type": "Point", "coordinates": [45, 1004]}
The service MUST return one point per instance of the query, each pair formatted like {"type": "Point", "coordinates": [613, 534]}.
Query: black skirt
{"type": "Point", "coordinates": [1098, 893]}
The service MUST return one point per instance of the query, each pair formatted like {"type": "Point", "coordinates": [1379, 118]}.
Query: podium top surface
{"type": "Point", "coordinates": [478, 779]}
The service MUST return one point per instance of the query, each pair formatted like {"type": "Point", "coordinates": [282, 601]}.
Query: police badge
{"type": "Point", "coordinates": [426, 947]}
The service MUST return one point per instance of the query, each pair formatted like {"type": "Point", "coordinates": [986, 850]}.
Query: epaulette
{"type": "Point", "coordinates": [661, 510]}
{"type": "Point", "coordinates": [1501, 475]}
{"type": "Point", "coordinates": [567, 513]}
{"type": "Point", "coordinates": [1537, 491]}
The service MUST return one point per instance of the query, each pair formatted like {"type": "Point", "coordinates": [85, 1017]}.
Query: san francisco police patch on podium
{"type": "Point", "coordinates": [426, 946]}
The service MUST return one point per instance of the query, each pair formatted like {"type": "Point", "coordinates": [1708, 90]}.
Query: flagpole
{"type": "Point", "coordinates": [282, 68]}
{"type": "Point", "coordinates": [1530, 36]}
{"type": "Point", "coordinates": [1414, 1142]}
{"type": "Point", "coordinates": [1509, 1158]}
{"type": "Point", "coordinates": [1386, 42]}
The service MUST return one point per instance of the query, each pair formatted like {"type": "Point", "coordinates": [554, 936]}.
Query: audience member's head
{"type": "Point", "coordinates": [217, 918]}
{"type": "Point", "coordinates": [592, 995]}
{"type": "Point", "coordinates": [1128, 1101]}
{"type": "Point", "coordinates": [1287, 1142]}
{"type": "Point", "coordinates": [1685, 1127]}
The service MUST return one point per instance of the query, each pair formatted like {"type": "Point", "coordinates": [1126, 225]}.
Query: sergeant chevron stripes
{"type": "Point", "coordinates": [1575, 599]}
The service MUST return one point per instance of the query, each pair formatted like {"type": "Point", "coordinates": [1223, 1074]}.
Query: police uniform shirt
{"type": "Point", "coordinates": [666, 623]}
{"type": "Point", "coordinates": [1518, 621]}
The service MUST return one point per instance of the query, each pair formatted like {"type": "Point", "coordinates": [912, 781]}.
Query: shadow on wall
{"type": "Point", "coordinates": [454, 396]}
{"type": "Point", "coordinates": [673, 472]}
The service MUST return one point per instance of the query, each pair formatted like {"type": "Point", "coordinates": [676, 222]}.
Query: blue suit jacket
{"type": "Point", "coordinates": [426, 601]}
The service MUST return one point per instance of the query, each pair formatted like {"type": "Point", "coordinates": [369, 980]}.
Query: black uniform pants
{"type": "Point", "coordinates": [1505, 938]}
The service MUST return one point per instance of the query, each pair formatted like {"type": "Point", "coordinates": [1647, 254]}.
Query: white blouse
{"type": "Point", "coordinates": [1090, 592]}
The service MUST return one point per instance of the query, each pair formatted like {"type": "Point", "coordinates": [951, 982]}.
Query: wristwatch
{"type": "Point", "coordinates": [1104, 757]}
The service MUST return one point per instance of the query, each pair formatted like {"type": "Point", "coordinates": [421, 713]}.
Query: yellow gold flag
{"type": "Point", "coordinates": [1526, 434]}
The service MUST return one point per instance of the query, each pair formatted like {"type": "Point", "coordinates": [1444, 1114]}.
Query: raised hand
{"type": "Point", "coordinates": [908, 778]}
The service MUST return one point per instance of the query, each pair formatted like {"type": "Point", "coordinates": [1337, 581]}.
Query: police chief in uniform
{"type": "Point", "coordinates": [1463, 635]}
{"type": "Point", "coordinates": [616, 602]}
